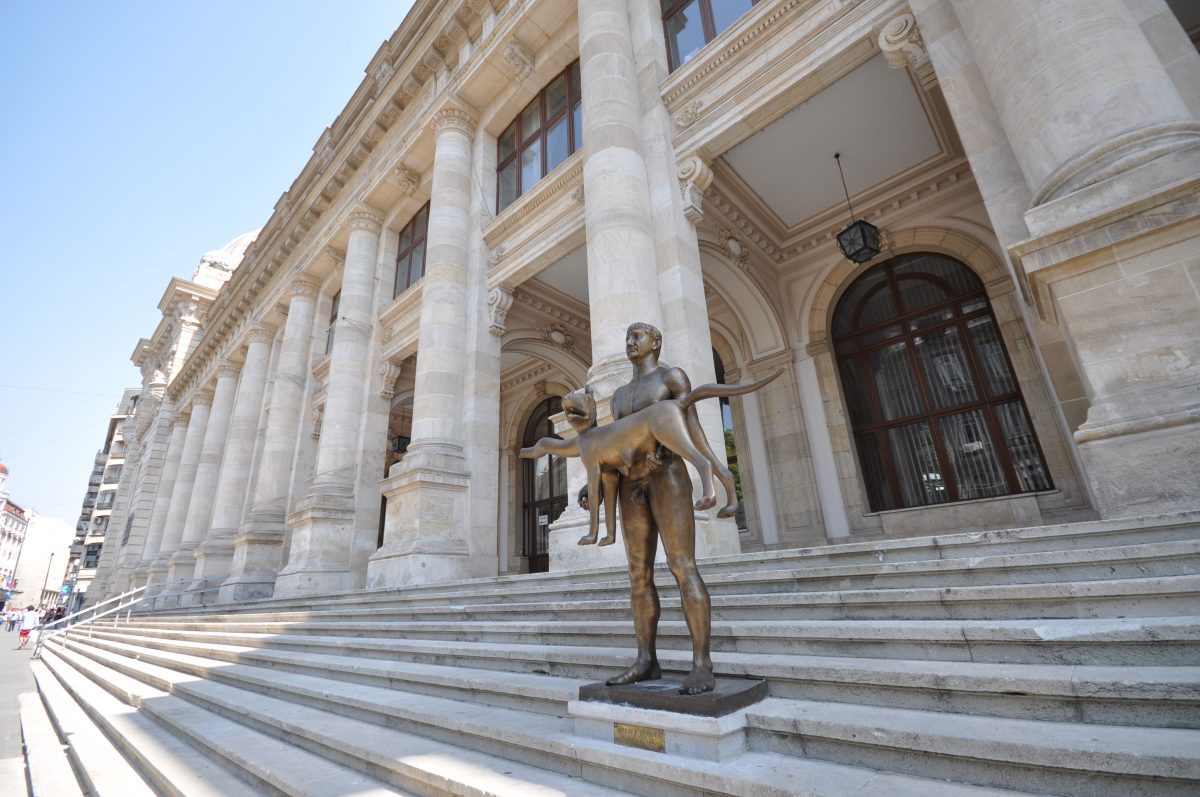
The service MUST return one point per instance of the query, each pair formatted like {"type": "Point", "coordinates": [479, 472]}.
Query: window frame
{"type": "Point", "coordinates": [708, 24]}
{"type": "Point", "coordinates": [857, 354]}
{"type": "Point", "coordinates": [523, 141]}
{"type": "Point", "coordinates": [415, 229]}
{"type": "Point", "coordinates": [334, 305]}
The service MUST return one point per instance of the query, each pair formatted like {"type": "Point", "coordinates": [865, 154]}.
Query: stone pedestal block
{"type": "Point", "coordinates": [707, 738]}
{"type": "Point", "coordinates": [321, 531]}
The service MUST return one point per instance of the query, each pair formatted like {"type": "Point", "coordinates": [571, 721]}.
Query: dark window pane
{"type": "Point", "coordinates": [418, 264]}
{"type": "Point", "coordinates": [879, 495]}
{"type": "Point", "coordinates": [577, 123]}
{"type": "Point", "coordinates": [878, 307]}
{"type": "Point", "coordinates": [727, 12]}
{"type": "Point", "coordinates": [422, 221]}
{"type": "Point", "coordinates": [883, 333]}
{"type": "Point", "coordinates": [958, 278]}
{"type": "Point", "coordinates": [531, 165]}
{"type": "Point", "coordinates": [531, 119]}
{"type": "Point", "coordinates": [990, 353]}
{"type": "Point", "coordinates": [685, 33]}
{"type": "Point", "coordinates": [972, 455]}
{"type": "Point", "coordinates": [541, 478]}
{"type": "Point", "coordinates": [556, 96]}
{"type": "Point", "coordinates": [856, 394]}
{"type": "Point", "coordinates": [946, 371]}
{"type": "Point", "coordinates": [843, 319]}
{"type": "Point", "coordinates": [406, 238]}
{"type": "Point", "coordinates": [1022, 448]}
{"type": "Point", "coordinates": [971, 305]}
{"type": "Point", "coordinates": [917, 470]}
{"type": "Point", "coordinates": [918, 292]}
{"type": "Point", "coordinates": [401, 276]}
{"type": "Point", "coordinates": [930, 319]}
{"type": "Point", "coordinates": [508, 142]}
{"type": "Point", "coordinates": [894, 382]}
{"type": "Point", "coordinates": [575, 82]}
{"type": "Point", "coordinates": [508, 185]}
{"type": "Point", "coordinates": [556, 144]}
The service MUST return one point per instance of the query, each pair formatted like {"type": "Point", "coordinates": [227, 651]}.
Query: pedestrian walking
{"type": "Point", "coordinates": [29, 621]}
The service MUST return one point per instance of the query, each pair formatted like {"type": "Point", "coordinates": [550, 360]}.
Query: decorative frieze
{"type": "Point", "coordinates": [694, 179]}
{"type": "Point", "coordinates": [519, 58]}
{"type": "Point", "coordinates": [500, 299]}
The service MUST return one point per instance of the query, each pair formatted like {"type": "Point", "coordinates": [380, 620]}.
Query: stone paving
{"type": "Point", "coordinates": [16, 680]}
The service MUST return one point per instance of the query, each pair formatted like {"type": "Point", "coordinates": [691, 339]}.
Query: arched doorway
{"type": "Point", "coordinates": [934, 404]}
{"type": "Point", "coordinates": [544, 488]}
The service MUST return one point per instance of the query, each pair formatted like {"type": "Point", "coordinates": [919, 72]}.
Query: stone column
{"type": "Point", "coordinates": [162, 499]}
{"type": "Point", "coordinates": [1081, 94]}
{"type": "Point", "coordinates": [323, 524]}
{"type": "Point", "coordinates": [426, 535]}
{"type": "Point", "coordinates": [204, 485]}
{"type": "Point", "coordinates": [181, 493]}
{"type": "Point", "coordinates": [215, 553]}
{"type": "Point", "coordinates": [258, 545]}
{"type": "Point", "coordinates": [622, 272]}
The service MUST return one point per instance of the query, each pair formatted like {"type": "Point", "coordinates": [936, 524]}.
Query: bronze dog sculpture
{"type": "Point", "coordinates": [611, 450]}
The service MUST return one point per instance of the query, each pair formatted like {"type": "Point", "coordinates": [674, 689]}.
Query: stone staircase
{"type": "Point", "coordinates": [1056, 660]}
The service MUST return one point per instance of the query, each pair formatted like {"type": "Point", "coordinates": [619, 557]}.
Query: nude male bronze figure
{"type": "Point", "coordinates": [655, 501]}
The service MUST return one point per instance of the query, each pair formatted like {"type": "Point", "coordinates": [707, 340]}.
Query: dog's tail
{"type": "Point", "coordinates": [724, 391]}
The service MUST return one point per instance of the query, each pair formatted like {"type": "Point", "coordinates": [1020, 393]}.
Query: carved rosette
{"type": "Point", "coordinates": [364, 220]}
{"type": "Point", "coordinates": [454, 119]}
{"type": "Point", "coordinates": [389, 372]}
{"type": "Point", "coordinates": [556, 335]}
{"type": "Point", "coordinates": [519, 58]}
{"type": "Point", "coordinates": [694, 179]}
{"type": "Point", "coordinates": [499, 301]}
{"type": "Point", "coordinates": [406, 178]}
{"type": "Point", "coordinates": [498, 254]}
{"type": "Point", "coordinates": [689, 113]}
{"type": "Point", "coordinates": [902, 44]}
{"type": "Point", "coordinates": [734, 248]}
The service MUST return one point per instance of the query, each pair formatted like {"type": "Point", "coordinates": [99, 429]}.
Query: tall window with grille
{"type": "Point", "coordinates": [545, 488]}
{"type": "Point", "coordinates": [410, 257]}
{"type": "Point", "coordinates": [933, 400]}
{"type": "Point", "coordinates": [543, 135]}
{"type": "Point", "coordinates": [691, 24]}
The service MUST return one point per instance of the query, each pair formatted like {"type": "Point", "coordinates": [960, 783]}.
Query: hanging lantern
{"type": "Point", "coordinates": [860, 241]}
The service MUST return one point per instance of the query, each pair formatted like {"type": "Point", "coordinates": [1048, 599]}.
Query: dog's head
{"type": "Point", "coordinates": [580, 408]}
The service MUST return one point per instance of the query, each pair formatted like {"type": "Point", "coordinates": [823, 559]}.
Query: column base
{"type": "Point", "coordinates": [182, 566]}
{"type": "Point", "coordinates": [247, 587]}
{"type": "Point", "coordinates": [214, 558]}
{"type": "Point", "coordinates": [257, 557]}
{"type": "Point", "coordinates": [425, 530]}
{"type": "Point", "coordinates": [322, 529]}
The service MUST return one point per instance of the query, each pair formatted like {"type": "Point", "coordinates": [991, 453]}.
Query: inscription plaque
{"type": "Point", "coordinates": [640, 736]}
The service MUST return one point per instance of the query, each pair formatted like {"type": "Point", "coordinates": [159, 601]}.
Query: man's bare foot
{"type": "Point", "coordinates": [586, 539]}
{"type": "Point", "coordinates": [699, 680]}
{"type": "Point", "coordinates": [608, 540]}
{"type": "Point", "coordinates": [640, 671]}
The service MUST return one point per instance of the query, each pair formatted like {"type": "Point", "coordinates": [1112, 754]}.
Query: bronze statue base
{"type": "Point", "coordinates": [662, 694]}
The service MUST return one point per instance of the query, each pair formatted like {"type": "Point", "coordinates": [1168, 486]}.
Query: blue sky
{"type": "Point", "coordinates": [135, 136]}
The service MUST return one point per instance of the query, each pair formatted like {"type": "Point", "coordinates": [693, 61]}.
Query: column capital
{"type": "Point", "coordinates": [180, 419]}
{"type": "Point", "coordinates": [259, 334]}
{"type": "Point", "coordinates": [227, 371]}
{"type": "Point", "coordinates": [695, 177]}
{"type": "Point", "coordinates": [202, 398]}
{"type": "Point", "coordinates": [453, 117]}
{"type": "Point", "coordinates": [303, 287]}
{"type": "Point", "coordinates": [362, 219]}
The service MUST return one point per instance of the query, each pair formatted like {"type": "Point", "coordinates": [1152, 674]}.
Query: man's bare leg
{"type": "Point", "coordinates": [641, 543]}
{"type": "Point", "coordinates": [677, 527]}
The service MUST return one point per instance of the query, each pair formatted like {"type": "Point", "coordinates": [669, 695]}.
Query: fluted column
{"type": "Point", "coordinates": [1096, 104]}
{"type": "Point", "coordinates": [323, 525]}
{"type": "Point", "coordinates": [622, 273]}
{"type": "Point", "coordinates": [162, 499]}
{"type": "Point", "coordinates": [258, 545]}
{"type": "Point", "coordinates": [204, 486]}
{"type": "Point", "coordinates": [426, 536]}
{"type": "Point", "coordinates": [215, 553]}
{"type": "Point", "coordinates": [185, 480]}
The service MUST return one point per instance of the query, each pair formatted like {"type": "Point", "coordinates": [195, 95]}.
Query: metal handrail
{"type": "Point", "coordinates": [125, 603]}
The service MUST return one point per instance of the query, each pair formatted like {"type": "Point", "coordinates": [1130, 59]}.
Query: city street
{"type": "Point", "coordinates": [16, 680]}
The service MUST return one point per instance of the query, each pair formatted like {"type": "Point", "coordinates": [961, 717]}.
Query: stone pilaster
{"type": "Point", "coordinates": [162, 499]}
{"type": "Point", "coordinates": [622, 277]}
{"type": "Point", "coordinates": [258, 545]}
{"type": "Point", "coordinates": [426, 537]}
{"type": "Point", "coordinates": [181, 492]}
{"type": "Point", "coordinates": [323, 524]}
{"type": "Point", "coordinates": [204, 485]}
{"type": "Point", "coordinates": [215, 553]}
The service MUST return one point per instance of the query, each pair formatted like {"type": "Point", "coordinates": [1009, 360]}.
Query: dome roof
{"type": "Point", "coordinates": [229, 255]}
{"type": "Point", "coordinates": [3, 468]}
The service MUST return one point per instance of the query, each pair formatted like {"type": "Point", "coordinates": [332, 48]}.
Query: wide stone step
{"type": "Point", "coordinates": [1147, 597]}
{"type": "Point", "coordinates": [356, 732]}
{"type": "Point", "coordinates": [1057, 538]}
{"type": "Point", "coordinates": [46, 763]}
{"type": "Point", "coordinates": [401, 760]}
{"type": "Point", "coordinates": [122, 753]}
{"type": "Point", "coordinates": [1054, 758]}
{"type": "Point", "coordinates": [1142, 696]}
{"type": "Point", "coordinates": [1151, 641]}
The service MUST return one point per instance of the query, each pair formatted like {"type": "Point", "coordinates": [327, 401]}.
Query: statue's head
{"type": "Point", "coordinates": [642, 340]}
{"type": "Point", "coordinates": [580, 408]}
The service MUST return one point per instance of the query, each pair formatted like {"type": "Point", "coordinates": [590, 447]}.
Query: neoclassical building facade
{"type": "Point", "coordinates": [514, 183]}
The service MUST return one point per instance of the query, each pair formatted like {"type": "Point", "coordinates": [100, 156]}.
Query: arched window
{"type": "Point", "coordinates": [544, 486]}
{"type": "Point", "coordinates": [934, 403]}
